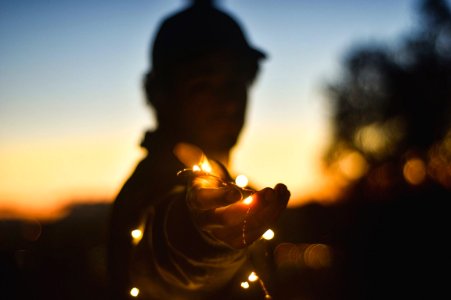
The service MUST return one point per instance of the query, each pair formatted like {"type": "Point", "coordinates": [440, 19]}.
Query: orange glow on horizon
{"type": "Point", "coordinates": [42, 178]}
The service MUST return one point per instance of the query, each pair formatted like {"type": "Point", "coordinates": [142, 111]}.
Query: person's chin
{"type": "Point", "coordinates": [227, 141]}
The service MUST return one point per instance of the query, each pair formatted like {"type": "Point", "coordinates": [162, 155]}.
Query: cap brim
{"type": "Point", "coordinates": [258, 53]}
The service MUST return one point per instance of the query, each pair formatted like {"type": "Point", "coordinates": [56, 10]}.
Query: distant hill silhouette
{"type": "Point", "coordinates": [62, 259]}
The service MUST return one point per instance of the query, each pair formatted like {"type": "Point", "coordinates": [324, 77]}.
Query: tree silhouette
{"type": "Point", "coordinates": [395, 101]}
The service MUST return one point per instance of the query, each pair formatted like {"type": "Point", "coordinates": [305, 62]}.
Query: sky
{"type": "Point", "coordinates": [72, 111]}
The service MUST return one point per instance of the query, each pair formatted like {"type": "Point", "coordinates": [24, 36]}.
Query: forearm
{"type": "Point", "coordinates": [174, 256]}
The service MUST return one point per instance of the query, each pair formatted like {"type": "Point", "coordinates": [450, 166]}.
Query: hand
{"type": "Point", "coordinates": [220, 212]}
{"type": "Point", "coordinates": [218, 209]}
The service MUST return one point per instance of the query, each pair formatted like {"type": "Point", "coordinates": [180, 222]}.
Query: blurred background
{"type": "Point", "coordinates": [352, 107]}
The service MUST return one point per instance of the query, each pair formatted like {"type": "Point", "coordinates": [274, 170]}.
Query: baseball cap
{"type": "Point", "coordinates": [199, 29]}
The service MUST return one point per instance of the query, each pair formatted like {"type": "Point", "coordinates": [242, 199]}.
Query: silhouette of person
{"type": "Point", "coordinates": [196, 234]}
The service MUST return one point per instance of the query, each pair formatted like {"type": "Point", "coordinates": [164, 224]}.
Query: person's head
{"type": "Point", "coordinates": [202, 67]}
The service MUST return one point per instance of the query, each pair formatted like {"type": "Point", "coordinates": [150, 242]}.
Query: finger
{"type": "Point", "coordinates": [223, 217]}
{"type": "Point", "coordinates": [261, 211]}
{"type": "Point", "coordinates": [241, 224]}
{"type": "Point", "coordinates": [211, 198]}
{"type": "Point", "coordinates": [264, 206]}
{"type": "Point", "coordinates": [283, 194]}
{"type": "Point", "coordinates": [267, 206]}
{"type": "Point", "coordinates": [277, 197]}
{"type": "Point", "coordinates": [207, 181]}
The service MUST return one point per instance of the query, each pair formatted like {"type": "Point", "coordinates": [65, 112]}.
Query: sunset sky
{"type": "Point", "coordinates": [72, 111]}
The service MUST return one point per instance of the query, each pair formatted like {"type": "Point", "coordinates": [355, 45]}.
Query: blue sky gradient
{"type": "Point", "coordinates": [70, 74]}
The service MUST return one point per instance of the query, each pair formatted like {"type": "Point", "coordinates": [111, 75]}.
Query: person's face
{"type": "Point", "coordinates": [212, 97]}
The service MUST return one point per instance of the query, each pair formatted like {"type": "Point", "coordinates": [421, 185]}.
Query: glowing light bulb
{"type": "Point", "coordinates": [268, 235]}
{"type": "Point", "coordinates": [252, 277]}
{"type": "Point", "coordinates": [134, 292]}
{"type": "Point", "coordinates": [137, 234]}
{"type": "Point", "coordinates": [245, 285]}
{"type": "Point", "coordinates": [248, 200]}
{"type": "Point", "coordinates": [205, 166]}
{"type": "Point", "coordinates": [241, 181]}
{"type": "Point", "coordinates": [196, 168]}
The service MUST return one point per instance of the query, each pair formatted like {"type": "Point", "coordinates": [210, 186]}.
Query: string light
{"type": "Point", "coordinates": [136, 235]}
{"type": "Point", "coordinates": [268, 235]}
{"type": "Point", "coordinates": [134, 292]}
{"type": "Point", "coordinates": [204, 169]}
{"type": "Point", "coordinates": [248, 200]}
{"type": "Point", "coordinates": [205, 165]}
{"type": "Point", "coordinates": [241, 181]}
{"type": "Point", "coordinates": [252, 277]}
